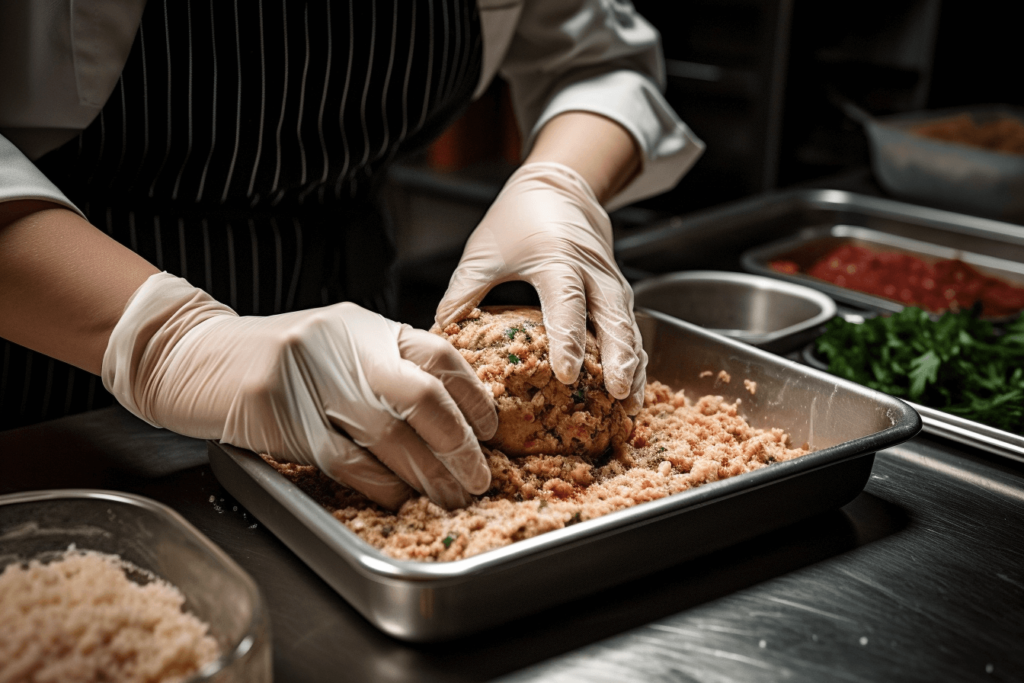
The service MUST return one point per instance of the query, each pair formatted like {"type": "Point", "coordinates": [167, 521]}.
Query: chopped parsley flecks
{"type": "Point", "coordinates": [513, 359]}
{"type": "Point", "coordinates": [449, 539]}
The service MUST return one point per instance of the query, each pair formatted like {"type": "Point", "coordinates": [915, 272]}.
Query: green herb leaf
{"type": "Point", "coordinates": [924, 370]}
{"type": "Point", "coordinates": [513, 359]}
{"type": "Point", "coordinates": [957, 363]}
{"type": "Point", "coordinates": [449, 539]}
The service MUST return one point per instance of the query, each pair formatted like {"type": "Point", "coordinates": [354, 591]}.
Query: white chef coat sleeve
{"type": "Point", "coordinates": [599, 56]}
{"type": "Point", "coordinates": [20, 179]}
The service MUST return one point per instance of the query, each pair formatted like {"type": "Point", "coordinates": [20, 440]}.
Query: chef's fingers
{"type": "Point", "coordinates": [609, 300]}
{"type": "Point", "coordinates": [423, 402]}
{"type": "Point", "coordinates": [635, 402]}
{"type": "Point", "coordinates": [395, 444]}
{"type": "Point", "coordinates": [564, 305]}
{"type": "Point", "coordinates": [348, 464]}
{"type": "Point", "coordinates": [440, 359]}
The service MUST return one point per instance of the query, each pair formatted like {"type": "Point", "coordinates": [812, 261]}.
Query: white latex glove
{"type": "Point", "coordinates": [375, 405]}
{"type": "Point", "coordinates": [547, 228]}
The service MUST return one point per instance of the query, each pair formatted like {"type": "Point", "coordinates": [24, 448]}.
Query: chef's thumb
{"type": "Point", "coordinates": [466, 289]}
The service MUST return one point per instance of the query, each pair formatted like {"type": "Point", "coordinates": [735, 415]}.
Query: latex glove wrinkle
{"type": "Point", "coordinates": [374, 404]}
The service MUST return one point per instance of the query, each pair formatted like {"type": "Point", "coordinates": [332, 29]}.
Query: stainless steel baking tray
{"type": "Point", "coordinates": [845, 424]}
{"type": "Point", "coordinates": [808, 246]}
{"type": "Point", "coordinates": [716, 238]}
{"type": "Point", "coordinates": [952, 427]}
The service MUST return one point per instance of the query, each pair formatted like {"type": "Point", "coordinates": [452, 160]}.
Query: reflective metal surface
{"type": "Point", "coordinates": [715, 239]}
{"type": "Point", "coordinates": [927, 564]}
{"type": "Point", "coordinates": [922, 560]}
{"type": "Point", "coordinates": [41, 525]}
{"type": "Point", "coordinates": [952, 427]}
{"type": "Point", "coordinates": [762, 311]}
{"type": "Point", "coordinates": [806, 248]}
{"type": "Point", "coordinates": [845, 424]}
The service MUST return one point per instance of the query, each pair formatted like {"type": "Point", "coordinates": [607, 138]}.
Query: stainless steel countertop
{"type": "Point", "coordinates": [919, 578]}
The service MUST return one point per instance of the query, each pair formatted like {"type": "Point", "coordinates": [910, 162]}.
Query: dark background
{"type": "Point", "coordinates": [764, 107]}
{"type": "Point", "coordinates": [758, 81]}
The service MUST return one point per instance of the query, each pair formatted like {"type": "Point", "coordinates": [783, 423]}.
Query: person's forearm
{"type": "Point", "coordinates": [63, 283]}
{"type": "Point", "coordinates": [597, 148]}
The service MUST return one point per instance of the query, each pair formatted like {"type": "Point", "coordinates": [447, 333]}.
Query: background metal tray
{"type": "Point", "coordinates": [807, 247]}
{"type": "Point", "coordinates": [697, 243]}
{"type": "Point", "coordinates": [844, 422]}
{"type": "Point", "coordinates": [714, 239]}
{"type": "Point", "coordinates": [950, 426]}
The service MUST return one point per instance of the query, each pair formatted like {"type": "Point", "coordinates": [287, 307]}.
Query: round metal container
{"type": "Point", "coordinates": [761, 311]}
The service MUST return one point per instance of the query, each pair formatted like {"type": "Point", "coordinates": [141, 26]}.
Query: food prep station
{"type": "Point", "coordinates": [919, 576]}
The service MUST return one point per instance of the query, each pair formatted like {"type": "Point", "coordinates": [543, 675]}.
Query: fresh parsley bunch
{"type": "Point", "coordinates": [958, 363]}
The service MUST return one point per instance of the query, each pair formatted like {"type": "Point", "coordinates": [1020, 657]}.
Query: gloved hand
{"type": "Point", "coordinates": [375, 405]}
{"type": "Point", "coordinates": [547, 228]}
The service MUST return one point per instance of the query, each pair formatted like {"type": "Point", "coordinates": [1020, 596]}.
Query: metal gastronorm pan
{"type": "Point", "coordinates": [807, 247]}
{"type": "Point", "coordinates": [715, 239]}
{"type": "Point", "coordinates": [953, 427]}
{"type": "Point", "coordinates": [845, 424]}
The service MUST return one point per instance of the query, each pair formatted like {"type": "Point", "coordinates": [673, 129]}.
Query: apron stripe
{"type": "Point", "coordinates": [263, 101]}
{"type": "Point", "coordinates": [188, 148]}
{"type": "Point", "coordinates": [238, 106]}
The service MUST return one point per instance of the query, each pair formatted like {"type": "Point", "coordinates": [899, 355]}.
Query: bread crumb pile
{"type": "Point", "coordinates": [81, 619]}
{"type": "Point", "coordinates": [675, 445]}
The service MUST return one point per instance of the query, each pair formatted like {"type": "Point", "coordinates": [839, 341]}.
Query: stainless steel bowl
{"type": "Point", "coordinates": [42, 524]}
{"type": "Point", "coordinates": [767, 313]}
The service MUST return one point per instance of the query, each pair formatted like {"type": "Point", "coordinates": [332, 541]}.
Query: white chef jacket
{"type": "Point", "coordinates": [61, 59]}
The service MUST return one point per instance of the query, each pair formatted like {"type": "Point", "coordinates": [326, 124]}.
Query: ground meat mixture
{"type": "Point", "coordinates": [81, 619]}
{"type": "Point", "coordinates": [537, 414]}
{"type": "Point", "coordinates": [1005, 134]}
{"type": "Point", "coordinates": [675, 445]}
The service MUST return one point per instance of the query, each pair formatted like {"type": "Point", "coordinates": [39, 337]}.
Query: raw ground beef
{"type": "Point", "coordinates": [675, 445]}
{"type": "Point", "coordinates": [508, 348]}
{"type": "Point", "coordinates": [81, 619]}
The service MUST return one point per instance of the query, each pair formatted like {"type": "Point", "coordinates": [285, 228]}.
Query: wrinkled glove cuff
{"type": "Point", "coordinates": [151, 313]}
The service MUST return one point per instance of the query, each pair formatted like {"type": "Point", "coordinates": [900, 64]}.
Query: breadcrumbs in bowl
{"type": "Point", "coordinates": [675, 445]}
{"type": "Point", "coordinates": [81, 618]}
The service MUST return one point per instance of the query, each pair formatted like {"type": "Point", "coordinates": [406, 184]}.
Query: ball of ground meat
{"type": "Point", "coordinates": [537, 414]}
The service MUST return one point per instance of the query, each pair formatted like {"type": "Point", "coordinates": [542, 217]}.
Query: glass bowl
{"type": "Point", "coordinates": [42, 524]}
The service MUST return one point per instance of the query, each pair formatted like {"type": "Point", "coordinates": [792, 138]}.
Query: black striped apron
{"type": "Point", "coordinates": [243, 148]}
